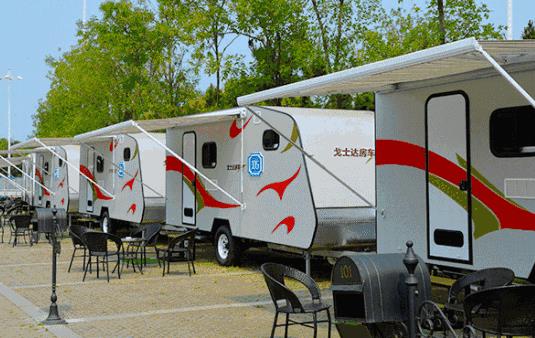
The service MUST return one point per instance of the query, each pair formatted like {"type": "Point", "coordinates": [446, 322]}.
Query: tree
{"type": "Point", "coordinates": [529, 31]}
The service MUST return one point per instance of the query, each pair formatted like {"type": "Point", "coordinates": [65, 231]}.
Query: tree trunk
{"type": "Point", "coordinates": [323, 34]}
{"type": "Point", "coordinates": [441, 25]}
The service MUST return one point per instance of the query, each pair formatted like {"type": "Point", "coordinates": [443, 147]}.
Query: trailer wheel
{"type": "Point", "coordinates": [105, 222]}
{"type": "Point", "coordinates": [227, 247]}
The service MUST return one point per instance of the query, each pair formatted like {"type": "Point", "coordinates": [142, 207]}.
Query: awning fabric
{"type": "Point", "coordinates": [451, 59]}
{"type": "Point", "coordinates": [51, 142]}
{"type": "Point", "coordinates": [130, 127]}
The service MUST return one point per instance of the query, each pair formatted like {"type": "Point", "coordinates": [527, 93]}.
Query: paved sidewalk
{"type": "Point", "coordinates": [216, 302]}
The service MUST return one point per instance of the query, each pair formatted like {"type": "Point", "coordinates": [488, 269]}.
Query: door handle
{"type": "Point", "coordinates": [463, 186]}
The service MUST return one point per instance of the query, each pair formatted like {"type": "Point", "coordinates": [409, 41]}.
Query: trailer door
{"type": "Point", "coordinates": [189, 190]}
{"type": "Point", "coordinates": [90, 160]}
{"type": "Point", "coordinates": [449, 222]}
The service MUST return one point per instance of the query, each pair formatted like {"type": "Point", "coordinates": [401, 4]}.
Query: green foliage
{"type": "Point", "coordinates": [529, 31]}
{"type": "Point", "coordinates": [139, 61]}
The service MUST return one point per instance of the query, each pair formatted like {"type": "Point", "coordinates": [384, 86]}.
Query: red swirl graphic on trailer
{"type": "Point", "coordinates": [174, 164]}
{"type": "Point", "coordinates": [41, 180]}
{"type": "Point", "coordinates": [99, 194]}
{"type": "Point", "coordinates": [235, 130]}
{"type": "Point", "coordinates": [132, 208]}
{"type": "Point", "coordinates": [280, 187]}
{"type": "Point", "coordinates": [62, 183]}
{"type": "Point", "coordinates": [510, 215]}
{"type": "Point", "coordinates": [130, 183]}
{"type": "Point", "coordinates": [288, 221]}
{"type": "Point", "coordinates": [113, 144]}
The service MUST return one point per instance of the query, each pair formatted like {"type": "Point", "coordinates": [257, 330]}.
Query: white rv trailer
{"type": "Point", "coordinates": [53, 163]}
{"type": "Point", "coordinates": [455, 150]}
{"type": "Point", "coordinates": [127, 179]}
{"type": "Point", "coordinates": [12, 186]}
{"type": "Point", "coordinates": [281, 176]}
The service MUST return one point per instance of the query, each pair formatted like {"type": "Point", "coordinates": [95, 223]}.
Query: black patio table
{"type": "Point", "coordinates": [130, 253]}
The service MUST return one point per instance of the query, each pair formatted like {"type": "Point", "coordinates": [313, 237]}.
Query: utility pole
{"type": "Point", "coordinates": [509, 19]}
{"type": "Point", "coordinates": [9, 78]}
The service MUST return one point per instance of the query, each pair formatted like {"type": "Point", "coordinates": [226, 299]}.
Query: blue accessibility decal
{"type": "Point", "coordinates": [255, 164]}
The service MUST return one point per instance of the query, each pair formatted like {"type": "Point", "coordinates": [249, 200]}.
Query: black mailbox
{"type": "Point", "coordinates": [371, 289]}
{"type": "Point", "coordinates": [45, 220]}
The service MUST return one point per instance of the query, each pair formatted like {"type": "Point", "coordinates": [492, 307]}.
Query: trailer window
{"type": "Point", "coordinates": [270, 140]}
{"type": "Point", "coordinates": [100, 164]}
{"type": "Point", "coordinates": [126, 154]}
{"type": "Point", "coordinates": [45, 166]}
{"type": "Point", "coordinates": [60, 162]}
{"type": "Point", "coordinates": [209, 155]}
{"type": "Point", "coordinates": [511, 132]}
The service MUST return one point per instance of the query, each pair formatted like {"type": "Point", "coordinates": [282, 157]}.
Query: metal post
{"type": "Point", "coordinates": [411, 262]}
{"type": "Point", "coordinates": [53, 313]}
{"type": "Point", "coordinates": [307, 263]}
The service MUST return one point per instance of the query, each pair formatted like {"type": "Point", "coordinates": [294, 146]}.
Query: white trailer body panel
{"type": "Point", "coordinates": [280, 204]}
{"type": "Point", "coordinates": [501, 230]}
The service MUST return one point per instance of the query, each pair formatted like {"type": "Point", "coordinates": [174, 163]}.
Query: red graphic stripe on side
{"type": "Point", "coordinates": [42, 181]}
{"type": "Point", "coordinates": [61, 184]}
{"type": "Point", "coordinates": [510, 216]}
{"type": "Point", "coordinates": [132, 208]}
{"type": "Point", "coordinates": [289, 222]}
{"type": "Point", "coordinates": [100, 194]}
{"type": "Point", "coordinates": [280, 187]}
{"type": "Point", "coordinates": [130, 183]}
{"type": "Point", "coordinates": [113, 144]}
{"type": "Point", "coordinates": [174, 164]}
{"type": "Point", "coordinates": [235, 130]}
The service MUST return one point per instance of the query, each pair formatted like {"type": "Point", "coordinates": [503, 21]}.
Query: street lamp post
{"type": "Point", "coordinates": [9, 77]}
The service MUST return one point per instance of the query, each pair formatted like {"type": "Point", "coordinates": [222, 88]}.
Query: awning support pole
{"type": "Point", "coordinates": [73, 166]}
{"type": "Point", "coordinates": [339, 180]}
{"type": "Point", "coordinates": [188, 165]}
{"type": "Point", "coordinates": [23, 173]}
{"type": "Point", "coordinates": [117, 167]}
{"type": "Point", "coordinates": [507, 77]}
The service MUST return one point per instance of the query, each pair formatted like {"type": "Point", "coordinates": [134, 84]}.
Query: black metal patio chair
{"type": "Point", "coordinates": [475, 281]}
{"type": "Point", "coordinates": [75, 233]}
{"type": "Point", "coordinates": [287, 302]}
{"type": "Point", "coordinates": [20, 227]}
{"type": "Point", "coordinates": [179, 249]}
{"type": "Point", "coordinates": [150, 234]}
{"type": "Point", "coordinates": [502, 311]}
{"type": "Point", "coordinates": [98, 246]}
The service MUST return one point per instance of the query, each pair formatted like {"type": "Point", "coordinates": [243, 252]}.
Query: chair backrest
{"type": "Point", "coordinates": [180, 239]}
{"type": "Point", "coordinates": [481, 279]}
{"type": "Point", "coordinates": [98, 241]}
{"type": "Point", "coordinates": [508, 310]}
{"type": "Point", "coordinates": [274, 275]}
{"type": "Point", "coordinates": [75, 232]}
{"type": "Point", "coordinates": [151, 233]}
{"type": "Point", "coordinates": [21, 221]}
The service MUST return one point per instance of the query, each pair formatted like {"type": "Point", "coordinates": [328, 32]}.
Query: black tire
{"type": "Point", "coordinates": [106, 224]}
{"type": "Point", "coordinates": [227, 247]}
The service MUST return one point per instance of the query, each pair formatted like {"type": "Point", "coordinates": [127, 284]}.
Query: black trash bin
{"type": "Point", "coordinates": [369, 291]}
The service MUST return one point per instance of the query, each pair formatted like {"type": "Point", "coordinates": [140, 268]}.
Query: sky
{"type": "Point", "coordinates": [31, 30]}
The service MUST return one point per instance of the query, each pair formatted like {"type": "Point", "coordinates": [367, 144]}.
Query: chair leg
{"type": "Point", "coordinates": [107, 269]}
{"type": "Point", "coordinates": [315, 325]}
{"type": "Point", "coordinates": [84, 256]}
{"type": "Point", "coordinates": [168, 265]}
{"type": "Point", "coordinates": [163, 271]}
{"type": "Point", "coordinates": [98, 267]}
{"type": "Point", "coordinates": [119, 266]}
{"type": "Point", "coordinates": [274, 324]}
{"type": "Point", "coordinates": [86, 267]}
{"type": "Point", "coordinates": [193, 266]}
{"type": "Point", "coordinates": [286, 325]}
{"type": "Point", "coordinates": [72, 258]}
{"type": "Point", "coordinates": [329, 323]}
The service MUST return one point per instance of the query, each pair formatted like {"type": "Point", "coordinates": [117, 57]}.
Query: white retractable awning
{"type": "Point", "coordinates": [37, 143]}
{"type": "Point", "coordinates": [456, 58]}
{"type": "Point", "coordinates": [146, 126]}
{"type": "Point", "coordinates": [132, 127]}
